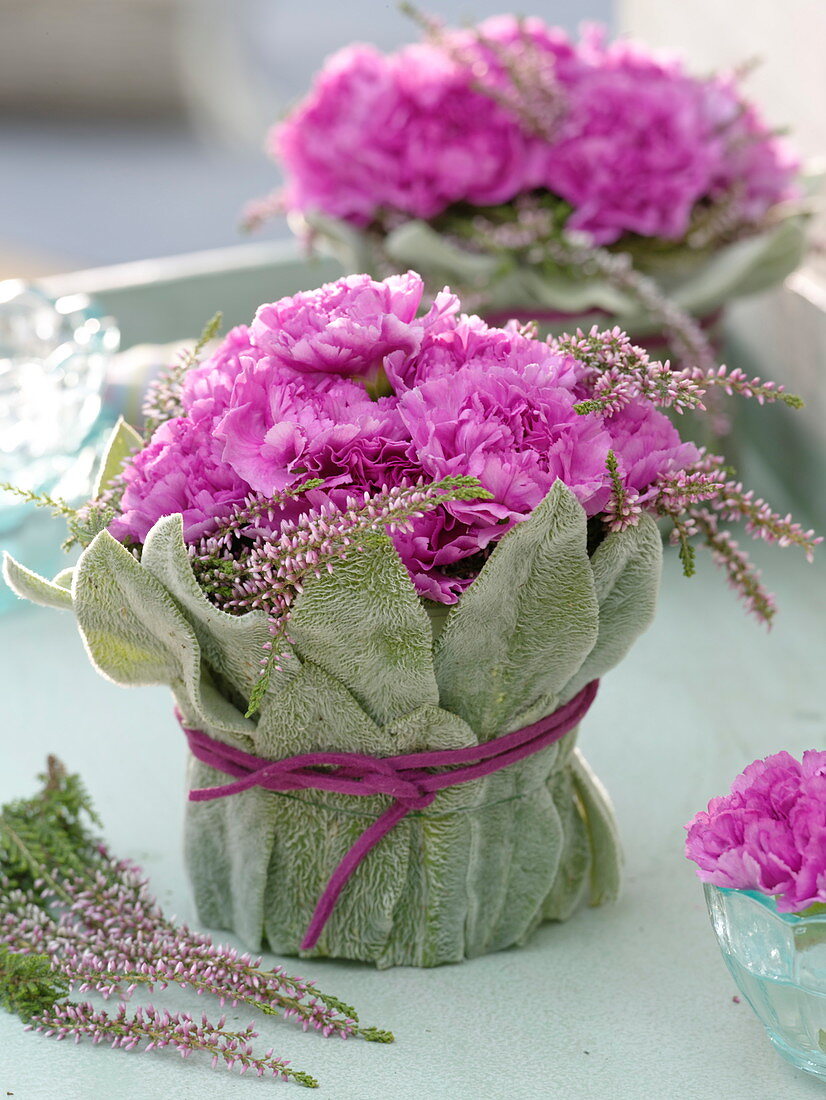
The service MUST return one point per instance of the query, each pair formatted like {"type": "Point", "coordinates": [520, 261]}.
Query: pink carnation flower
{"type": "Point", "coordinates": [758, 169]}
{"type": "Point", "coordinates": [514, 428]}
{"type": "Point", "coordinates": [208, 386]}
{"type": "Point", "coordinates": [180, 470]}
{"type": "Point", "coordinates": [638, 150]}
{"type": "Point", "coordinates": [286, 400]}
{"type": "Point", "coordinates": [634, 143]}
{"type": "Point", "coordinates": [281, 430]}
{"type": "Point", "coordinates": [769, 834]}
{"type": "Point", "coordinates": [404, 132]}
{"type": "Point", "coordinates": [346, 328]}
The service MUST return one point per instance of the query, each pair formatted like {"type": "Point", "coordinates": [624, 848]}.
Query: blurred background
{"type": "Point", "coordinates": [135, 128]}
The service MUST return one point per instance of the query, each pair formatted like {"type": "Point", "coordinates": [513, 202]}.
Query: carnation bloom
{"type": "Point", "coordinates": [638, 150]}
{"type": "Point", "coordinates": [481, 116]}
{"type": "Point", "coordinates": [758, 169]}
{"type": "Point", "coordinates": [514, 428]}
{"type": "Point", "coordinates": [208, 386]}
{"type": "Point", "coordinates": [769, 834]}
{"type": "Point", "coordinates": [281, 430]}
{"type": "Point", "coordinates": [348, 327]}
{"type": "Point", "coordinates": [180, 470]}
{"type": "Point", "coordinates": [404, 132]}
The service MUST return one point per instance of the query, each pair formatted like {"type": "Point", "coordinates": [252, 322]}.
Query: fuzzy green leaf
{"type": "Point", "coordinates": [31, 586]}
{"type": "Point", "coordinates": [364, 625]}
{"type": "Point", "coordinates": [525, 625]}
{"type": "Point", "coordinates": [626, 567]}
{"type": "Point", "coordinates": [122, 442]}
{"type": "Point", "coordinates": [231, 644]}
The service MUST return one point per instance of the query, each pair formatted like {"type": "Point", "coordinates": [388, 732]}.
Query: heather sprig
{"type": "Point", "coordinates": [623, 509]}
{"type": "Point", "coordinates": [163, 395]}
{"type": "Point", "coordinates": [84, 522]}
{"type": "Point", "coordinates": [270, 573]}
{"type": "Point", "coordinates": [73, 917]}
{"type": "Point", "coordinates": [158, 1029]}
{"type": "Point", "coordinates": [741, 573]}
{"type": "Point", "coordinates": [58, 506]}
{"type": "Point", "coordinates": [530, 90]}
{"type": "Point", "coordinates": [699, 500]}
{"type": "Point", "coordinates": [534, 233]}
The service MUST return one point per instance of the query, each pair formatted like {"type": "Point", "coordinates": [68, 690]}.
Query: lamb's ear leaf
{"type": "Point", "coordinates": [31, 586]}
{"type": "Point", "coordinates": [233, 645]}
{"type": "Point", "coordinates": [123, 441]}
{"type": "Point", "coordinates": [526, 624]}
{"type": "Point", "coordinates": [364, 624]}
{"type": "Point", "coordinates": [603, 835]}
{"type": "Point", "coordinates": [132, 628]}
{"type": "Point", "coordinates": [626, 567]}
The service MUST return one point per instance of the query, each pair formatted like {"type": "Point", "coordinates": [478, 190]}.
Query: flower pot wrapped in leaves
{"type": "Point", "coordinates": [566, 182]}
{"type": "Point", "coordinates": [382, 559]}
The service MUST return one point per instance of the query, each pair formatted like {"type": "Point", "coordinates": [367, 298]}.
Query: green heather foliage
{"type": "Point", "coordinates": [489, 860]}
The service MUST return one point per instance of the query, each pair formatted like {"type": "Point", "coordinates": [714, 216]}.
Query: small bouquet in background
{"type": "Point", "coordinates": [761, 852]}
{"type": "Point", "coordinates": [381, 558]}
{"type": "Point", "coordinates": [546, 179]}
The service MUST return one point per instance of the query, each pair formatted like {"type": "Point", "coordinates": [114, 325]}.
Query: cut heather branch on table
{"type": "Point", "coordinates": [159, 1029]}
{"type": "Point", "coordinates": [72, 917]}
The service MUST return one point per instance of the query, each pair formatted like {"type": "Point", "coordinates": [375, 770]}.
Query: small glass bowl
{"type": "Point", "coordinates": [53, 358]}
{"type": "Point", "coordinates": [779, 962]}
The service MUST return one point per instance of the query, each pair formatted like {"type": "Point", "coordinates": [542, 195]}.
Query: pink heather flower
{"type": "Point", "coordinates": [647, 446]}
{"type": "Point", "coordinates": [769, 834]}
{"type": "Point", "coordinates": [180, 470]}
{"type": "Point", "coordinates": [348, 327]}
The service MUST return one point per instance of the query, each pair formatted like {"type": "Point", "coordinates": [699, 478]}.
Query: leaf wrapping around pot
{"type": "Point", "coordinates": [488, 860]}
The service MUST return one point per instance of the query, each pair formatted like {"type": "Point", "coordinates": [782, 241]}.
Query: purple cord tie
{"type": "Point", "coordinates": [406, 779]}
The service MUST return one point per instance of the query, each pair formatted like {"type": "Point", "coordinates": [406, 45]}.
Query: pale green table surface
{"type": "Point", "coordinates": [631, 1001]}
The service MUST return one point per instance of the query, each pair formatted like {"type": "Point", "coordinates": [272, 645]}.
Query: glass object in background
{"type": "Point", "coordinates": [779, 962]}
{"type": "Point", "coordinates": [53, 359]}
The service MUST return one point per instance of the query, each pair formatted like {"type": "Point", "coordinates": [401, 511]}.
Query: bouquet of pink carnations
{"type": "Point", "coordinates": [544, 178]}
{"type": "Point", "coordinates": [382, 558]}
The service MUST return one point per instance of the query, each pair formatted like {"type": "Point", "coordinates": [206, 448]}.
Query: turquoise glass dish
{"type": "Point", "coordinates": [779, 962]}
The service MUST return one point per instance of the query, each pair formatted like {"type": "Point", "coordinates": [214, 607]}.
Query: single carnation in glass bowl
{"type": "Point", "coordinates": [761, 852]}
{"type": "Point", "coordinates": [565, 181]}
{"type": "Point", "coordinates": [382, 552]}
